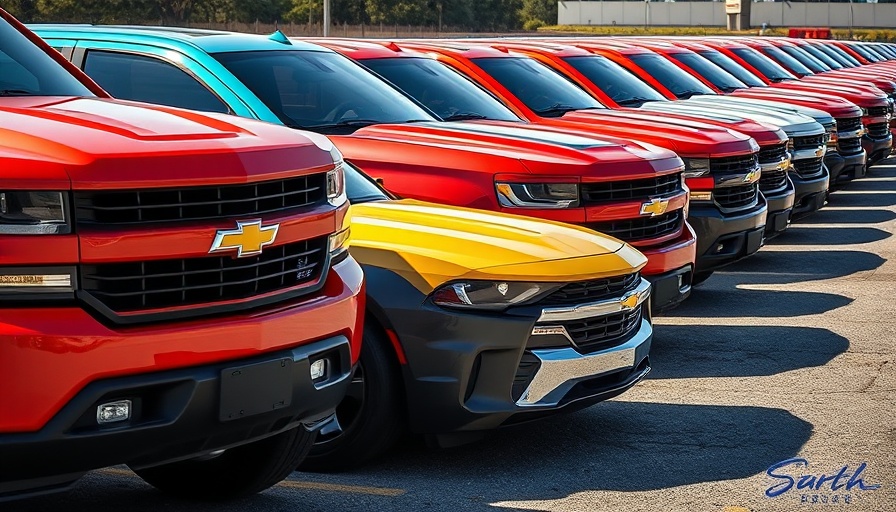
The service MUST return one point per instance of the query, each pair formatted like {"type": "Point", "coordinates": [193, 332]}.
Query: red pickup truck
{"type": "Point", "coordinates": [175, 289]}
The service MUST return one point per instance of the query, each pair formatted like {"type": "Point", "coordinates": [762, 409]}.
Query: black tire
{"type": "Point", "coordinates": [372, 415]}
{"type": "Point", "coordinates": [237, 472]}
{"type": "Point", "coordinates": [700, 278]}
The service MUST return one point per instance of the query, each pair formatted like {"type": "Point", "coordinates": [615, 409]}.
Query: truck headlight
{"type": "Point", "coordinates": [339, 244]}
{"type": "Point", "coordinates": [695, 167]}
{"type": "Point", "coordinates": [538, 195]}
{"type": "Point", "coordinates": [336, 185]}
{"type": "Point", "coordinates": [32, 213]}
{"type": "Point", "coordinates": [36, 283]}
{"type": "Point", "coordinates": [492, 295]}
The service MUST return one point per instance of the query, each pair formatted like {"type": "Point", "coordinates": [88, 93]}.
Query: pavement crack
{"type": "Point", "coordinates": [870, 383]}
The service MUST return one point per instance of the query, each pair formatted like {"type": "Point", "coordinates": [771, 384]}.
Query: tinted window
{"type": "Point", "coordinates": [360, 188]}
{"type": "Point", "coordinates": [805, 59]}
{"type": "Point", "coordinates": [148, 79]}
{"type": "Point", "coordinates": [771, 69]}
{"type": "Point", "coordinates": [541, 88]}
{"type": "Point", "coordinates": [320, 91]}
{"type": "Point", "coordinates": [829, 51]}
{"type": "Point", "coordinates": [786, 60]}
{"type": "Point", "coordinates": [443, 90]}
{"type": "Point", "coordinates": [730, 65]}
{"type": "Point", "coordinates": [723, 80]}
{"type": "Point", "coordinates": [863, 52]}
{"type": "Point", "coordinates": [618, 83]}
{"type": "Point", "coordinates": [671, 76]}
{"type": "Point", "coordinates": [26, 70]}
{"type": "Point", "coordinates": [843, 53]}
{"type": "Point", "coordinates": [820, 55]}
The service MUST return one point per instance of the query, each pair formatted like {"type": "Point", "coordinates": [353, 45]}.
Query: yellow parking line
{"type": "Point", "coordinates": [356, 489]}
{"type": "Point", "coordinates": [296, 484]}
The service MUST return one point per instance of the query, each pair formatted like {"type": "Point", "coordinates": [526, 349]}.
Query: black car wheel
{"type": "Point", "coordinates": [371, 418]}
{"type": "Point", "coordinates": [240, 471]}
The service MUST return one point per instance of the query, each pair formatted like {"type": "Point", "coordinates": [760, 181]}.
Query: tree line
{"type": "Point", "coordinates": [484, 15]}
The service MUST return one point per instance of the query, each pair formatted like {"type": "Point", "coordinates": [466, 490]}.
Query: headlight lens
{"type": "Point", "coordinates": [339, 243]}
{"type": "Point", "coordinates": [336, 185]}
{"type": "Point", "coordinates": [494, 295]}
{"type": "Point", "coordinates": [538, 195]}
{"type": "Point", "coordinates": [32, 213]}
{"type": "Point", "coordinates": [696, 167]}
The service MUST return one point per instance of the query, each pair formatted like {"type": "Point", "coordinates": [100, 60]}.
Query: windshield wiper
{"type": "Point", "coordinates": [555, 110]}
{"type": "Point", "coordinates": [464, 116]}
{"type": "Point", "coordinates": [633, 102]}
{"type": "Point", "coordinates": [16, 92]}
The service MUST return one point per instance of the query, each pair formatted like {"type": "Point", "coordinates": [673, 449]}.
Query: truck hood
{"type": "Point", "coordinates": [863, 99]}
{"type": "Point", "coordinates": [430, 244]}
{"type": "Point", "coordinates": [94, 143]}
{"type": "Point", "coordinates": [690, 139]}
{"type": "Point", "coordinates": [765, 134]}
{"type": "Point", "coordinates": [834, 105]}
{"type": "Point", "coordinates": [506, 147]}
{"type": "Point", "coordinates": [792, 122]}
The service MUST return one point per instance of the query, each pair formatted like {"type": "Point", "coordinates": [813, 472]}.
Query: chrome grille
{"type": "Point", "coordinates": [642, 189]}
{"type": "Point", "coordinates": [153, 206]}
{"type": "Point", "coordinates": [740, 196]}
{"type": "Point", "coordinates": [772, 154]}
{"type": "Point", "coordinates": [584, 292]}
{"type": "Point", "coordinates": [849, 123]}
{"type": "Point", "coordinates": [773, 181]}
{"type": "Point", "coordinates": [598, 333]}
{"type": "Point", "coordinates": [642, 228]}
{"type": "Point", "coordinates": [808, 142]}
{"type": "Point", "coordinates": [741, 164]}
{"type": "Point", "coordinates": [809, 167]}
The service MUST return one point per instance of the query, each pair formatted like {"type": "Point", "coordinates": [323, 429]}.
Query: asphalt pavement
{"type": "Point", "coordinates": [789, 354]}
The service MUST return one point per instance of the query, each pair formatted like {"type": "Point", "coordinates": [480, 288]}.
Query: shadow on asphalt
{"type": "Point", "coordinates": [846, 216]}
{"type": "Point", "coordinates": [693, 351]}
{"type": "Point", "coordinates": [730, 301]}
{"type": "Point", "coordinates": [785, 267]}
{"type": "Point", "coordinates": [804, 235]}
{"type": "Point", "coordinates": [861, 198]}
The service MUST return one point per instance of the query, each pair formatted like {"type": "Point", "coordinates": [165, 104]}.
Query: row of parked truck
{"type": "Point", "coordinates": [441, 237]}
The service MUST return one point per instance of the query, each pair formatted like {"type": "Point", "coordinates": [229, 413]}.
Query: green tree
{"type": "Point", "coordinates": [537, 13]}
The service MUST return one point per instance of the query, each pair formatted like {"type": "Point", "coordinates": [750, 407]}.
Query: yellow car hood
{"type": "Point", "coordinates": [430, 244]}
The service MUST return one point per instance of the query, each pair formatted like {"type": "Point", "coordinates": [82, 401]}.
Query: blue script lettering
{"type": "Point", "coordinates": [815, 482]}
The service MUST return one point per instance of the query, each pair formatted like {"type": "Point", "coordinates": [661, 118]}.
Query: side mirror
{"type": "Point", "coordinates": [379, 181]}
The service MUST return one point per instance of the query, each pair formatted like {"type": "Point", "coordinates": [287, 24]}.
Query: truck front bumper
{"type": "Point", "coordinates": [877, 149]}
{"type": "Point", "coordinates": [723, 239]}
{"type": "Point", "coordinates": [844, 168]}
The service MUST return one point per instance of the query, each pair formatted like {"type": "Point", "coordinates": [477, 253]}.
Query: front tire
{"type": "Point", "coordinates": [372, 415]}
{"type": "Point", "coordinates": [238, 472]}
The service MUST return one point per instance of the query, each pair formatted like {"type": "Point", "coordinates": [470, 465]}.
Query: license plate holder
{"type": "Point", "coordinates": [256, 388]}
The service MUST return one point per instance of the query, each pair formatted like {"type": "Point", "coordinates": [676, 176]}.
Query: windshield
{"type": "Point", "coordinates": [320, 91]}
{"type": "Point", "coordinates": [863, 52]}
{"type": "Point", "coordinates": [820, 55]}
{"type": "Point", "coordinates": [672, 77]}
{"type": "Point", "coordinates": [25, 70]}
{"type": "Point", "coordinates": [542, 89]}
{"type": "Point", "coordinates": [771, 69]}
{"type": "Point", "coordinates": [829, 51]}
{"type": "Point", "coordinates": [805, 59]}
{"type": "Point", "coordinates": [786, 60]}
{"type": "Point", "coordinates": [360, 188]}
{"type": "Point", "coordinates": [843, 53]}
{"type": "Point", "coordinates": [730, 65]}
{"type": "Point", "coordinates": [444, 91]}
{"type": "Point", "coordinates": [620, 84]}
{"type": "Point", "coordinates": [721, 79]}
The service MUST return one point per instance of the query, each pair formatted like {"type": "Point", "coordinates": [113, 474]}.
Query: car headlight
{"type": "Point", "coordinates": [696, 167]}
{"type": "Point", "coordinates": [538, 195]}
{"type": "Point", "coordinates": [32, 213]}
{"type": "Point", "coordinates": [493, 295]}
{"type": "Point", "coordinates": [339, 244]}
{"type": "Point", "coordinates": [336, 185]}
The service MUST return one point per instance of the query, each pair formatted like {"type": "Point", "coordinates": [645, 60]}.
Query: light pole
{"type": "Point", "coordinates": [326, 18]}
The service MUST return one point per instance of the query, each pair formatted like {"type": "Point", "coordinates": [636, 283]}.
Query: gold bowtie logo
{"type": "Point", "coordinates": [631, 301]}
{"type": "Point", "coordinates": [248, 238]}
{"type": "Point", "coordinates": [752, 176]}
{"type": "Point", "coordinates": [655, 207]}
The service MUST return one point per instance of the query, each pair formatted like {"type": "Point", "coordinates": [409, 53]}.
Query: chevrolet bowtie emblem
{"type": "Point", "coordinates": [655, 207]}
{"type": "Point", "coordinates": [752, 176]}
{"type": "Point", "coordinates": [248, 238]}
{"type": "Point", "coordinates": [631, 301]}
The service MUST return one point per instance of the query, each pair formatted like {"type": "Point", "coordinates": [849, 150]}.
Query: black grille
{"type": "Point", "coordinates": [772, 154]}
{"type": "Point", "coordinates": [199, 203]}
{"type": "Point", "coordinates": [772, 181]}
{"type": "Point", "coordinates": [878, 111]}
{"type": "Point", "coordinates": [734, 164]}
{"type": "Point", "coordinates": [878, 130]}
{"type": "Point", "coordinates": [156, 284]}
{"type": "Point", "coordinates": [525, 372]}
{"type": "Point", "coordinates": [809, 167]}
{"type": "Point", "coordinates": [849, 146]}
{"type": "Point", "coordinates": [590, 291]}
{"type": "Point", "coordinates": [642, 228]}
{"type": "Point", "coordinates": [632, 189]}
{"type": "Point", "coordinates": [809, 142]}
{"type": "Point", "coordinates": [849, 124]}
{"type": "Point", "coordinates": [740, 196]}
{"type": "Point", "coordinates": [598, 333]}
